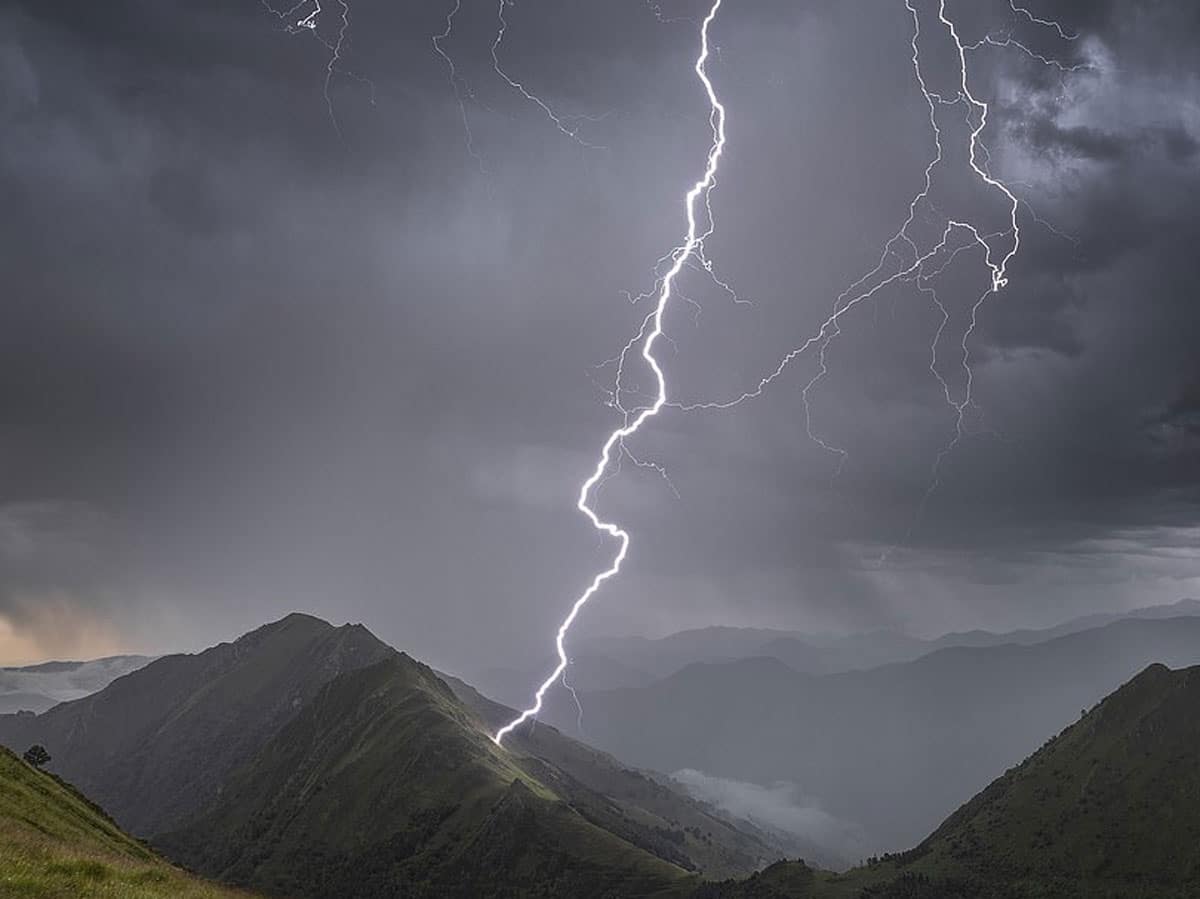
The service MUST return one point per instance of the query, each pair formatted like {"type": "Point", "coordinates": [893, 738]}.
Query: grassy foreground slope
{"type": "Point", "coordinates": [54, 844]}
{"type": "Point", "coordinates": [386, 785]}
{"type": "Point", "coordinates": [1108, 809]}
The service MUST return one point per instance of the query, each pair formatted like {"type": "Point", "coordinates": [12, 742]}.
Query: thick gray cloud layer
{"type": "Point", "coordinates": [253, 362]}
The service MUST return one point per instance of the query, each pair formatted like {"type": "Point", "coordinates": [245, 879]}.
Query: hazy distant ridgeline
{"type": "Point", "coordinates": [609, 663]}
{"type": "Point", "coordinates": [36, 688]}
{"type": "Point", "coordinates": [892, 749]}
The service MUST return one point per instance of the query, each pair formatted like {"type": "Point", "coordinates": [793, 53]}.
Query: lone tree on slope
{"type": "Point", "coordinates": [36, 755]}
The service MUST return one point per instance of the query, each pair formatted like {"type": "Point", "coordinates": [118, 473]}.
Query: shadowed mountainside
{"type": "Point", "coordinates": [156, 745]}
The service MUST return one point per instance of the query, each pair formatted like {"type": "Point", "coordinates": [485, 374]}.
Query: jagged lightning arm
{"type": "Point", "coordinates": [682, 254]}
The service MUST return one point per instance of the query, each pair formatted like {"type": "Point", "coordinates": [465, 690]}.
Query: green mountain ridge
{"type": "Point", "coordinates": [637, 804]}
{"type": "Point", "coordinates": [386, 785]}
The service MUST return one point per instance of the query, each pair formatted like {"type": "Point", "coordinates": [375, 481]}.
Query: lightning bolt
{"type": "Point", "coordinates": [903, 261]}
{"type": "Point", "coordinates": [998, 271]}
{"type": "Point", "coordinates": [651, 331]}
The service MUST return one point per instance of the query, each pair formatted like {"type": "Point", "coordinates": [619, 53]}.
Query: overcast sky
{"type": "Point", "coordinates": [260, 353]}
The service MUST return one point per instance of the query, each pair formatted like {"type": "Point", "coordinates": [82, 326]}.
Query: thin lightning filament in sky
{"type": "Point", "coordinates": [568, 125]}
{"type": "Point", "coordinates": [874, 280]}
{"type": "Point", "coordinates": [309, 24]}
{"type": "Point", "coordinates": [652, 330]}
{"type": "Point", "coordinates": [462, 91]}
{"type": "Point", "coordinates": [894, 265]}
{"type": "Point", "coordinates": [998, 270]}
{"type": "Point", "coordinates": [560, 121]}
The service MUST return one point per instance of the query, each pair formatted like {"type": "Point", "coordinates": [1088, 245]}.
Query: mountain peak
{"type": "Point", "coordinates": [1093, 798]}
{"type": "Point", "coordinates": [155, 746]}
{"type": "Point", "coordinates": [292, 621]}
{"type": "Point", "coordinates": [1106, 808]}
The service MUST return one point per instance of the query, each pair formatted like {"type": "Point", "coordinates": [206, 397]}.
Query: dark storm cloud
{"type": "Point", "coordinates": [1077, 141]}
{"type": "Point", "coordinates": [1180, 145]}
{"type": "Point", "coordinates": [285, 364]}
{"type": "Point", "coordinates": [1082, 142]}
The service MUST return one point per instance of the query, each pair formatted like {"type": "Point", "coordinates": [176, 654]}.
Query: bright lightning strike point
{"type": "Point", "coordinates": [680, 257]}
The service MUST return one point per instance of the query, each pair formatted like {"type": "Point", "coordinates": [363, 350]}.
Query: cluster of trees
{"type": "Point", "coordinates": [36, 755]}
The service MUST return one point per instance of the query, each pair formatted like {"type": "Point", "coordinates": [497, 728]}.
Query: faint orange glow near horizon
{"type": "Point", "coordinates": [55, 628]}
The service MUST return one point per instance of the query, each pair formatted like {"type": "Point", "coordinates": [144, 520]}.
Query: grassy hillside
{"type": "Point", "coordinates": [54, 844]}
{"type": "Point", "coordinates": [385, 784]}
{"type": "Point", "coordinates": [1108, 809]}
